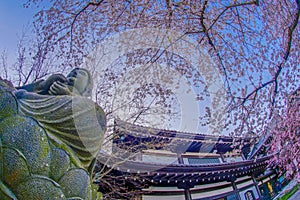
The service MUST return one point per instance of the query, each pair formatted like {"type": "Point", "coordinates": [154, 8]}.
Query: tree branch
{"type": "Point", "coordinates": [274, 81]}
{"type": "Point", "coordinates": [77, 15]}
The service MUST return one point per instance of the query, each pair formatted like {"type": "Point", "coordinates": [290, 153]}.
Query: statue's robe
{"type": "Point", "coordinates": [74, 121]}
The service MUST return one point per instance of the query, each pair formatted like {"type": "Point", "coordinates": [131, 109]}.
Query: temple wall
{"type": "Point", "coordinates": [159, 159]}
{"type": "Point", "coordinates": [212, 193]}
{"type": "Point", "coordinates": [169, 197]}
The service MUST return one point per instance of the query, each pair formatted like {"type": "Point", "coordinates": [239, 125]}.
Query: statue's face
{"type": "Point", "coordinates": [79, 78]}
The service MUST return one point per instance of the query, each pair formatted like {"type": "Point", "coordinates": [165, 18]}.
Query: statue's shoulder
{"type": "Point", "coordinates": [6, 85]}
{"type": "Point", "coordinates": [8, 102]}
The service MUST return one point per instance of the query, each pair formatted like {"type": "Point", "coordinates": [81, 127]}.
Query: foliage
{"type": "Point", "coordinates": [255, 45]}
{"type": "Point", "coordinates": [286, 138]}
{"type": "Point", "coordinates": [290, 193]}
{"type": "Point", "coordinates": [253, 42]}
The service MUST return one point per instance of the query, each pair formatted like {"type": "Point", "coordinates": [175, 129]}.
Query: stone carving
{"type": "Point", "coordinates": [78, 81]}
{"type": "Point", "coordinates": [50, 134]}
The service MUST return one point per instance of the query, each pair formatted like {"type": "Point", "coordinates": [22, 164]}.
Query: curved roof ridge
{"type": "Point", "coordinates": [118, 122]}
{"type": "Point", "coordinates": [209, 167]}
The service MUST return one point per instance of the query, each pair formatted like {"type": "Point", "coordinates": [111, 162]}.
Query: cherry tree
{"type": "Point", "coordinates": [255, 45]}
{"type": "Point", "coordinates": [286, 138]}
{"type": "Point", "coordinates": [33, 60]}
{"type": "Point", "coordinates": [253, 42]}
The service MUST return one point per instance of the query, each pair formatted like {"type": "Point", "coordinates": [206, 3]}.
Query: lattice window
{"type": "Point", "coordinates": [203, 161]}
{"type": "Point", "coordinates": [249, 195]}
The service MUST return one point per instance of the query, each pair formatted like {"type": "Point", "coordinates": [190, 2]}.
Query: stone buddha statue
{"type": "Point", "coordinates": [72, 121]}
{"type": "Point", "coordinates": [50, 134]}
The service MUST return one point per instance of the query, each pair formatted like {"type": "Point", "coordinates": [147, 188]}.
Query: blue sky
{"type": "Point", "coordinates": [14, 19]}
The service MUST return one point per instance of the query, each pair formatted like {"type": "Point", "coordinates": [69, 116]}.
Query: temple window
{"type": "Point", "coordinates": [198, 161]}
{"type": "Point", "coordinates": [249, 195]}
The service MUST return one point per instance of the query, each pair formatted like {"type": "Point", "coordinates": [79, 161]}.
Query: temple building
{"type": "Point", "coordinates": [149, 163]}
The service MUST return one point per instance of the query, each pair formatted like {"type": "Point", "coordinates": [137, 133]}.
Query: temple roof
{"type": "Point", "coordinates": [126, 169]}
{"type": "Point", "coordinates": [127, 134]}
{"type": "Point", "coordinates": [141, 173]}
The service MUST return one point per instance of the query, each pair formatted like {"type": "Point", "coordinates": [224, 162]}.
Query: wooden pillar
{"type": "Point", "coordinates": [257, 188]}
{"type": "Point", "coordinates": [236, 191]}
{"type": "Point", "coordinates": [180, 159]}
{"type": "Point", "coordinates": [222, 157]}
{"type": "Point", "coordinates": [187, 192]}
{"type": "Point", "coordinates": [243, 156]}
